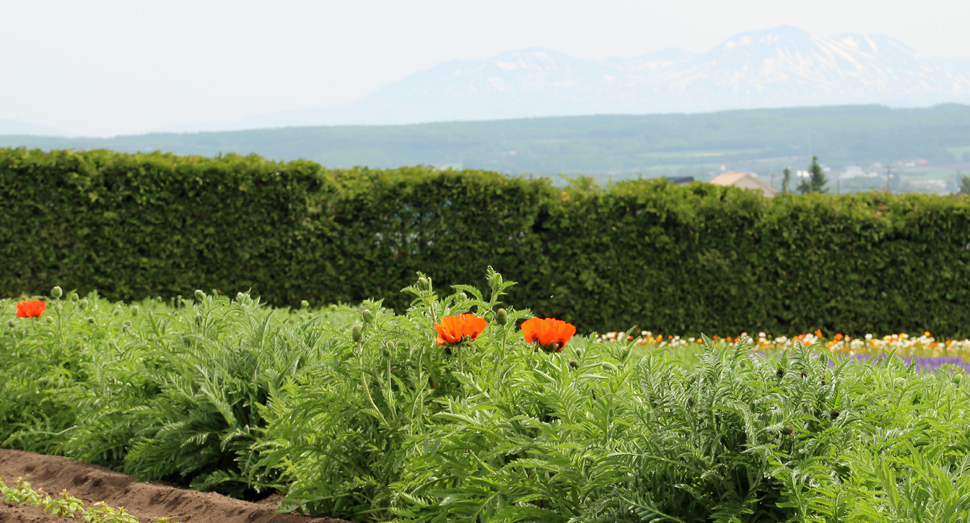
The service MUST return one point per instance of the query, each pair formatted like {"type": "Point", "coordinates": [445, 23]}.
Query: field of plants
{"type": "Point", "coordinates": [466, 408]}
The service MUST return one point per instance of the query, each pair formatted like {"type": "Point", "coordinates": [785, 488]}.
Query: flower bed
{"type": "Point", "coordinates": [467, 409]}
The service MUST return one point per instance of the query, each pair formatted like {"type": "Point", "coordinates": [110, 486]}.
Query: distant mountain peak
{"type": "Point", "coordinates": [782, 66]}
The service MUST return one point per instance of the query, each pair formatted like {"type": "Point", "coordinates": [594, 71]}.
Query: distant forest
{"type": "Point", "coordinates": [615, 146]}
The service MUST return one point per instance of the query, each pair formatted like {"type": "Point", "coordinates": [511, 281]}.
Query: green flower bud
{"type": "Point", "coordinates": [502, 317]}
{"type": "Point", "coordinates": [357, 333]}
{"type": "Point", "coordinates": [11, 324]}
{"type": "Point", "coordinates": [135, 310]}
{"type": "Point", "coordinates": [367, 316]}
{"type": "Point", "coordinates": [82, 304]}
{"type": "Point", "coordinates": [57, 292]}
{"type": "Point", "coordinates": [239, 296]}
{"type": "Point", "coordinates": [423, 283]}
{"type": "Point", "coordinates": [607, 366]}
{"type": "Point", "coordinates": [74, 296]}
{"type": "Point", "coordinates": [199, 295]}
{"type": "Point", "coordinates": [90, 319]}
{"type": "Point", "coordinates": [834, 414]}
{"type": "Point", "coordinates": [957, 378]}
{"type": "Point", "coordinates": [574, 364]}
{"type": "Point", "coordinates": [900, 381]}
{"type": "Point", "coordinates": [462, 296]}
{"type": "Point", "coordinates": [304, 304]}
{"type": "Point", "coordinates": [578, 353]}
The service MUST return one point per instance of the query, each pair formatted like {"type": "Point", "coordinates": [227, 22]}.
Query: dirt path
{"type": "Point", "coordinates": [147, 501]}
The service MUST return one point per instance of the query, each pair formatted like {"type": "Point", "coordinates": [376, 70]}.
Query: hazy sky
{"type": "Point", "coordinates": [121, 67]}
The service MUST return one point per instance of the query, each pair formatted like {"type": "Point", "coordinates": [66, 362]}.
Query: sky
{"type": "Point", "coordinates": [104, 68]}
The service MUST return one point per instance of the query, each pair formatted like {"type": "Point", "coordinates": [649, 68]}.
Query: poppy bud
{"type": "Point", "coordinates": [787, 431]}
{"type": "Point", "coordinates": [901, 381]}
{"type": "Point", "coordinates": [462, 296]}
{"type": "Point", "coordinates": [11, 324]}
{"type": "Point", "coordinates": [82, 304]}
{"type": "Point", "coordinates": [57, 292]}
{"type": "Point", "coordinates": [780, 373]}
{"type": "Point", "coordinates": [609, 366]}
{"type": "Point", "coordinates": [74, 296]}
{"type": "Point", "coordinates": [304, 304]}
{"type": "Point", "coordinates": [199, 295]}
{"type": "Point", "coordinates": [574, 364]}
{"type": "Point", "coordinates": [578, 353]}
{"type": "Point", "coordinates": [90, 319]}
{"type": "Point", "coordinates": [239, 296]}
{"type": "Point", "coordinates": [423, 283]}
{"type": "Point", "coordinates": [957, 378]}
{"type": "Point", "coordinates": [501, 317]}
{"type": "Point", "coordinates": [135, 309]}
{"type": "Point", "coordinates": [357, 333]}
{"type": "Point", "coordinates": [367, 316]}
{"type": "Point", "coordinates": [386, 352]}
{"type": "Point", "coordinates": [834, 414]}
{"type": "Point", "coordinates": [803, 374]}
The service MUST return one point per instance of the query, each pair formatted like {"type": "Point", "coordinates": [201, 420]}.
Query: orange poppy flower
{"type": "Point", "coordinates": [818, 333]}
{"type": "Point", "coordinates": [455, 329]}
{"type": "Point", "coordinates": [838, 337]}
{"type": "Point", "coordinates": [550, 334]}
{"type": "Point", "coordinates": [31, 309]}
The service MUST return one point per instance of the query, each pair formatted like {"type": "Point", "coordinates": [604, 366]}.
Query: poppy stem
{"type": "Point", "coordinates": [459, 358]}
{"type": "Point", "coordinates": [501, 356]}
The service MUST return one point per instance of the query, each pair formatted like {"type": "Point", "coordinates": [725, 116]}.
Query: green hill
{"type": "Point", "coordinates": [611, 146]}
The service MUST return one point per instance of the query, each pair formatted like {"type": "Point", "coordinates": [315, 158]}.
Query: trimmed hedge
{"type": "Point", "coordinates": [679, 260]}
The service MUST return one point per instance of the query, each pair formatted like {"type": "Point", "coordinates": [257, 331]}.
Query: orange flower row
{"type": "Point", "coordinates": [549, 334]}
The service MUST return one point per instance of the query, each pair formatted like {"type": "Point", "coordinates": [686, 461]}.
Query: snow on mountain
{"type": "Point", "coordinates": [778, 67]}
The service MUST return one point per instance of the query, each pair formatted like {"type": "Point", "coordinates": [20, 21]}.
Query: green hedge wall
{"type": "Point", "coordinates": [679, 260]}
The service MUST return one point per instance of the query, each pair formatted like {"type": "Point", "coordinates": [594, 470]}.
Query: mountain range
{"type": "Point", "coordinates": [779, 67]}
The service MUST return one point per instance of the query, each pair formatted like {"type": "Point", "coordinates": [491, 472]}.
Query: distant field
{"type": "Point", "coordinates": [612, 146]}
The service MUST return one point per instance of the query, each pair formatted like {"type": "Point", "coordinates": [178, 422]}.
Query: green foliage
{"type": "Point", "coordinates": [816, 181]}
{"type": "Point", "coordinates": [964, 184]}
{"type": "Point", "coordinates": [685, 260]}
{"type": "Point", "coordinates": [238, 397]}
{"type": "Point", "coordinates": [64, 505]}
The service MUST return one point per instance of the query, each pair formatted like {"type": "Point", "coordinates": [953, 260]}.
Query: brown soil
{"type": "Point", "coordinates": [146, 501]}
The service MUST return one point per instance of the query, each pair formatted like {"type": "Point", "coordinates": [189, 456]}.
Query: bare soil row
{"type": "Point", "coordinates": [147, 501]}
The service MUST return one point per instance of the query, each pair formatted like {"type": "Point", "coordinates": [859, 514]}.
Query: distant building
{"type": "Point", "coordinates": [744, 181]}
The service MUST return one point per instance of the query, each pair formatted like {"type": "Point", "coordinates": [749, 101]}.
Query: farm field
{"type": "Point", "coordinates": [465, 409]}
